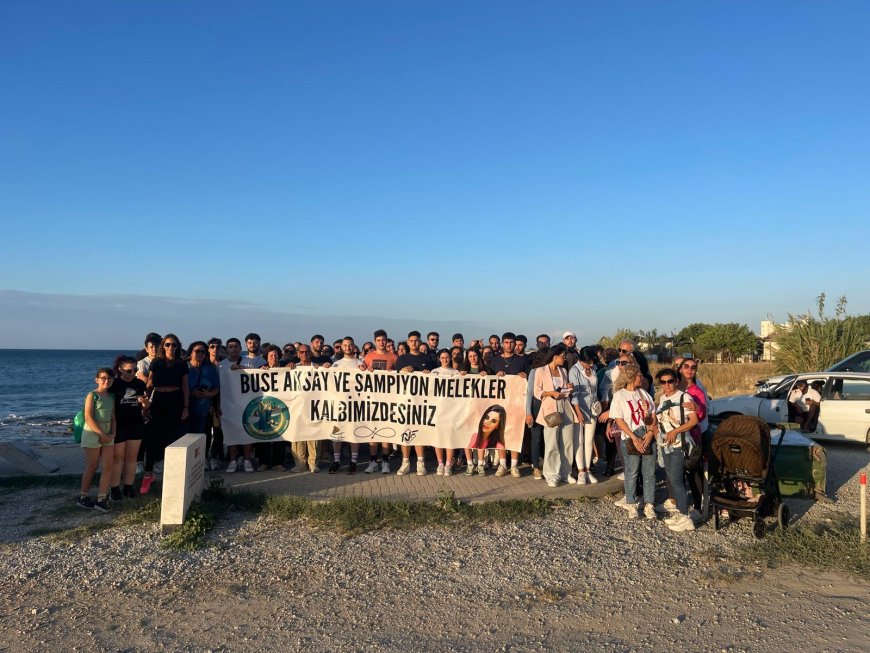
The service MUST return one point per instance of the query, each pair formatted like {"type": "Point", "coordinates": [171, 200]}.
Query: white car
{"type": "Point", "coordinates": [844, 413]}
{"type": "Point", "coordinates": [857, 362]}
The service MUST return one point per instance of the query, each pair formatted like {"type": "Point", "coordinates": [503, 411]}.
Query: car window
{"type": "Point", "coordinates": [856, 363]}
{"type": "Point", "coordinates": [848, 390]}
{"type": "Point", "coordinates": [782, 390]}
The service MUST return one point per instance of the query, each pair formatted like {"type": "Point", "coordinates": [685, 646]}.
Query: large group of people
{"type": "Point", "coordinates": [588, 408]}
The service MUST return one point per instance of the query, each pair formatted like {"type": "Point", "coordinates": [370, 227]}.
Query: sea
{"type": "Point", "coordinates": [41, 390]}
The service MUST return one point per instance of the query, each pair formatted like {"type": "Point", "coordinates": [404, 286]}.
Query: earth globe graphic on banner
{"type": "Point", "coordinates": [266, 418]}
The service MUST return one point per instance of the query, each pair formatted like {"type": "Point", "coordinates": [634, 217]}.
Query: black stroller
{"type": "Point", "coordinates": [742, 478]}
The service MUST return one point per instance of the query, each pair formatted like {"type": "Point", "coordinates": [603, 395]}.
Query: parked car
{"type": "Point", "coordinates": [857, 362]}
{"type": "Point", "coordinates": [844, 412]}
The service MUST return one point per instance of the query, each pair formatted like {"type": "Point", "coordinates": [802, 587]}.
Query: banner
{"type": "Point", "coordinates": [309, 403]}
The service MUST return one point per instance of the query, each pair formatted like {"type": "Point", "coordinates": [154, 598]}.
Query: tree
{"type": "Point", "coordinates": [731, 340]}
{"type": "Point", "coordinates": [808, 344]}
{"type": "Point", "coordinates": [687, 336]}
{"type": "Point", "coordinates": [621, 335]}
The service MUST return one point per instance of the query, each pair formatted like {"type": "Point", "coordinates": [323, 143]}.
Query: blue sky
{"type": "Point", "coordinates": [501, 165]}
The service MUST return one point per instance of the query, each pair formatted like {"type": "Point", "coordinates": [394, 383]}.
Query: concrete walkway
{"type": "Point", "coordinates": [326, 486]}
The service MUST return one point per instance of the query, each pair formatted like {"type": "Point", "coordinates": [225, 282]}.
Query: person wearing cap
{"type": "Point", "coordinates": [572, 355]}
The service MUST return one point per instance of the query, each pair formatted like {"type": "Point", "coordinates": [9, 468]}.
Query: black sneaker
{"type": "Point", "coordinates": [102, 506]}
{"type": "Point", "coordinates": [351, 468]}
{"type": "Point", "coordinates": [335, 467]}
{"type": "Point", "coordinates": [85, 502]}
{"type": "Point", "coordinates": [115, 494]}
{"type": "Point", "coordinates": [129, 492]}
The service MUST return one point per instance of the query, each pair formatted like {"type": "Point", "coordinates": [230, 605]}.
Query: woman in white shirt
{"type": "Point", "coordinates": [584, 397]}
{"type": "Point", "coordinates": [444, 456]}
{"type": "Point", "coordinates": [633, 411]}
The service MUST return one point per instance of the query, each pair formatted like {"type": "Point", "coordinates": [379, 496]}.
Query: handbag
{"type": "Point", "coordinates": [631, 450]}
{"type": "Point", "coordinates": [553, 419]}
{"type": "Point", "coordinates": [596, 409]}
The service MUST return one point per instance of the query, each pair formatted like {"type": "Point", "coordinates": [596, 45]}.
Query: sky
{"type": "Point", "coordinates": [211, 168]}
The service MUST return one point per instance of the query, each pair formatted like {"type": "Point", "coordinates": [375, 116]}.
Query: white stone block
{"type": "Point", "coordinates": [183, 479]}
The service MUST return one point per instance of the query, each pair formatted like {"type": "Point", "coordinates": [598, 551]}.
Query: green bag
{"type": "Point", "coordinates": [78, 425]}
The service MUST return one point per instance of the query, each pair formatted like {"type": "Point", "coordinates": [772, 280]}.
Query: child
{"type": "Point", "coordinates": [98, 440]}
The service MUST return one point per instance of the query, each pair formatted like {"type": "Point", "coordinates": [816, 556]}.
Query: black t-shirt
{"type": "Point", "coordinates": [419, 362]}
{"type": "Point", "coordinates": [128, 410]}
{"type": "Point", "coordinates": [321, 360]}
{"type": "Point", "coordinates": [167, 373]}
{"type": "Point", "coordinates": [513, 365]}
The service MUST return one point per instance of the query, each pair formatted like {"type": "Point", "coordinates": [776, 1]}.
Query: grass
{"type": "Point", "coordinates": [725, 379]}
{"type": "Point", "coordinates": [356, 515]}
{"type": "Point", "coordinates": [831, 546]}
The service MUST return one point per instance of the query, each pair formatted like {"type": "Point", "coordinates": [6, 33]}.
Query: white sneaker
{"type": "Point", "coordinates": [590, 478]}
{"type": "Point", "coordinates": [440, 470]}
{"type": "Point", "coordinates": [621, 476]}
{"type": "Point", "coordinates": [231, 467]}
{"type": "Point", "coordinates": [448, 470]}
{"type": "Point", "coordinates": [249, 467]}
{"type": "Point", "coordinates": [648, 511]}
{"type": "Point", "coordinates": [582, 478]}
{"type": "Point", "coordinates": [421, 468]}
{"type": "Point", "coordinates": [571, 480]}
{"type": "Point", "coordinates": [515, 471]}
{"type": "Point", "coordinates": [501, 471]}
{"type": "Point", "coordinates": [682, 524]}
{"type": "Point", "coordinates": [405, 468]}
{"type": "Point", "coordinates": [372, 467]}
{"type": "Point", "coordinates": [630, 507]}
{"type": "Point", "coordinates": [481, 470]}
{"type": "Point", "coordinates": [385, 467]}
{"type": "Point", "coordinates": [552, 483]}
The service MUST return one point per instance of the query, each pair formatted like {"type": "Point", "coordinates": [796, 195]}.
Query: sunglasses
{"type": "Point", "coordinates": [625, 351]}
{"type": "Point", "coordinates": [171, 345]}
{"type": "Point", "coordinates": [213, 346]}
{"type": "Point", "coordinates": [624, 363]}
{"type": "Point", "coordinates": [668, 381]}
{"type": "Point", "coordinates": [690, 367]}
{"type": "Point", "coordinates": [129, 371]}
{"type": "Point", "coordinates": [104, 378]}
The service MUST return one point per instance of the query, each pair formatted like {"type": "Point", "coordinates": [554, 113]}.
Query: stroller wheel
{"type": "Point", "coordinates": [783, 515]}
{"type": "Point", "coordinates": [758, 529]}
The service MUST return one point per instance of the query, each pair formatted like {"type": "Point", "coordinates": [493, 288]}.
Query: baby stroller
{"type": "Point", "coordinates": [742, 478]}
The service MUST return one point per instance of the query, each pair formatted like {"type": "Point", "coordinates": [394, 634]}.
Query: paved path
{"type": "Point", "coordinates": [386, 486]}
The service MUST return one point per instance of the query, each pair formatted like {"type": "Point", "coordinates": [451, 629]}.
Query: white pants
{"type": "Point", "coordinates": [558, 451]}
{"type": "Point", "coordinates": [583, 436]}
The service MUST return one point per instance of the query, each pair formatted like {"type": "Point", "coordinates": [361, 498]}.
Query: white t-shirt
{"type": "Point", "coordinates": [669, 418]}
{"type": "Point", "coordinates": [796, 397]}
{"type": "Point", "coordinates": [631, 407]}
{"type": "Point", "coordinates": [444, 371]}
{"type": "Point", "coordinates": [812, 395]}
{"type": "Point", "coordinates": [347, 364]}
{"type": "Point", "coordinates": [143, 366]}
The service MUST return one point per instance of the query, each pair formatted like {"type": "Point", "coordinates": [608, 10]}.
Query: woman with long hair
{"type": "Point", "coordinates": [131, 403]}
{"type": "Point", "coordinates": [444, 455]}
{"type": "Point", "coordinates": [473, 364]}
{"type": "Point", "coordinates": [170, 404]}
{"type": "Point", "coordinates": [489, 435]}
{"type": "Point", "coordinates": [556, 415]}
{"type": "Point", "coordinates": [633, 412]}
{"type": "Point", "coordinates": [689, 384]}
{"type": "Point", "coordinates": [582, 377]}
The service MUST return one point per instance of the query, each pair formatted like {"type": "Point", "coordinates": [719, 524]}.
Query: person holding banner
{"type": "Point", "coordinates": [234, 361]}
{"type": "Point", "coordinates": [444, 456]}
{"type": "Point", "coordinates": [305, 452]}
{"type": "Point", "coordinates": [380, 358]}
{"type": "Point", "coordinates": [413, 361]}
{"type": "Point", "coordinates": [556, 415]}
{"type": "Point", "coordinates": [348, 361]}
{"type": "Point", "coordinates": [509, 363]}
{"type": "Point", "coordinates": [490, 435]}
{"type": "Point", "coordinates": [473, 364]}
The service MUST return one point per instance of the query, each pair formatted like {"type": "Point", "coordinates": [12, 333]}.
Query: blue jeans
{"type": "Point", "coordinates": [646, 465]}
{"type": "Point", "coordinates": [675, 472]}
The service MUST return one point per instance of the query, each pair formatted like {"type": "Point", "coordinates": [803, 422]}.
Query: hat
{"type": "Point", "coordinates": [569, 333]}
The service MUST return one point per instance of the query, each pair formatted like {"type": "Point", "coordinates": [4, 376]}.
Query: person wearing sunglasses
{"type": "Point", "coordinates": [170, 405]}
{"type": "Point", "coordinates": [676, 418]}
{"type": "Point", "coordinates": [204, 385]}
{"type": "Point", "coordinates": [689, 384]}
{"type": "Point", "coordinates": [131, 403]}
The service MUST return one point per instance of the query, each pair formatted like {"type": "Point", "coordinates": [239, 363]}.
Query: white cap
{"type": "Point", "coordinates": [569, 333]}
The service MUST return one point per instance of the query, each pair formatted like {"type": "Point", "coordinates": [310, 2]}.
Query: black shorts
{"type": "Point", "coordinates": [126, 435]}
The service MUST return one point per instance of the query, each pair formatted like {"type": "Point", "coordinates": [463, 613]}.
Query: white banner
{"type": "Point", "coordinates": [355, 406]}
